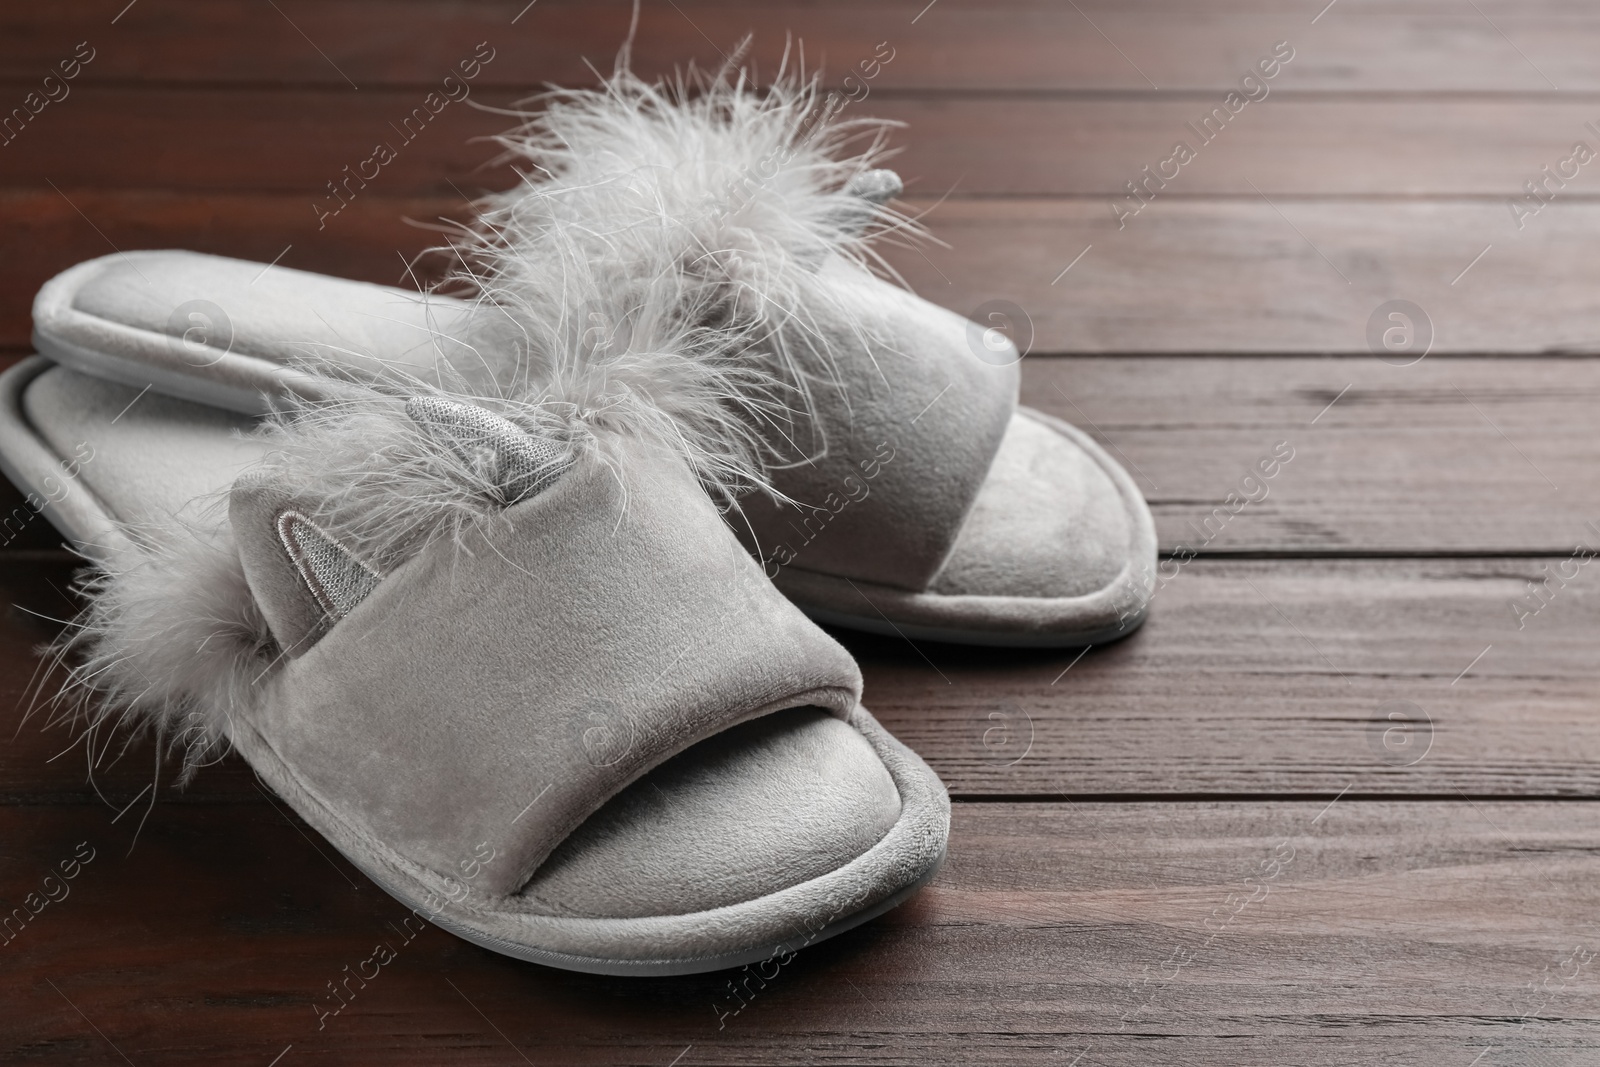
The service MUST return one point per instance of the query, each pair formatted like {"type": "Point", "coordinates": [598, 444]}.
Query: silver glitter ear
{"type": "Point", "coordinates": [870, 190]}
{"type": "Point", "coordinates": [337, 579]}
{"type": "Point", "coordinates": [517, 463]}
{"type": "Point", "coordinates": [875, 186]}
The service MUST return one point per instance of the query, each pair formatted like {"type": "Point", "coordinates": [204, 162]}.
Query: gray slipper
{"type": "Point", "coordinates": [940, 509]}
{"type": "Point", "coordinates": [517, 669]}
{"type": "Point", "coordinates": [911, 494]}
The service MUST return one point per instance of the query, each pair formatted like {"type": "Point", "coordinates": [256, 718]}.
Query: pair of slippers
{"type": "Point", "coordinates": [510, 593]}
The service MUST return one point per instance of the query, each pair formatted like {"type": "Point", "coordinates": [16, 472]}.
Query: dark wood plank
{"type": "Point", "coordinates": [233, 140]}
{"type": "Point", "coordinates": [1252, 677]}
{"type": "Point", "coordinates": [1276, 677]}
{"type": "Point", "coordinates": [1250, 275]}
{"type": "Point", "coordinates": [230, 140]}
{"type": "Point", "coordinates": [1195, 933]}
{"type": "Point", "coordinates": [1304, 144]}
{"type": "Point", "coordinates": [1030, 45]}
{"type": "Point", "coordinates": [1445, 456]}
{"type": "Point", "coordinates": [1185, 276]}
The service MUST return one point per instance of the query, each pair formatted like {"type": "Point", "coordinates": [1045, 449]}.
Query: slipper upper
{"type": "Point", "coordinates": [460, 634]}
{"type": "Point", "coordinates": [445, 716]}
{"type": "Point", "coordinates": [904, 421]}
{"type": "Point", "coordinates": [903, 429]}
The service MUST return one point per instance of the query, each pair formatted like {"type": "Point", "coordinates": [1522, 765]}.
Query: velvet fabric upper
{"type": "Point", "coordinates": [494, 694]}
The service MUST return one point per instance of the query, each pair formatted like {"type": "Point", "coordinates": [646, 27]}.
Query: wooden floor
{"type": "Point", "coordinates": [1334, 804]}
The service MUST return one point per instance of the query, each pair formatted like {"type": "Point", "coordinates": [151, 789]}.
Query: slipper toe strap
{"type": "Point", "coordinates": [909, 412]}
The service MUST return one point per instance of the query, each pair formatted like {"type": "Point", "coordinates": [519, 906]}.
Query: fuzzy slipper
{"type": "Point", "coordinates": [514, 666]}
{"type": "Point", "coordinates": [911, 494]}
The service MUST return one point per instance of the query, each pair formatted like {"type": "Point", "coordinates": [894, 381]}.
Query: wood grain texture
{"type": "Point", "coordinates": [1290, 144]}
{"type": "Point", "coordinates": [1275, 677]}
{"type": "Point", "coordinates": [1185, 276]}
{"type": "Point", "coordinates": [1453, 456]}
{"type": "Point", "coordinates": [1269, 677]}
{"type": "Point", "coordinates": [1148, 933]}
{"type": "Point", "coordinates": [1028, 45]}
{"type": "Point", "coordinates": [1306, 276]}
{"type": "Point", "coordinates": [175, 138]}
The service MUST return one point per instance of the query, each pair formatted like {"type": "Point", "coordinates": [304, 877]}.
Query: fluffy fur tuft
{"type": "Point", "coordinates": [740, 185]}
{"type": "Point", "coordinates": [649, 354]}
{"type": "Point", "coordinates": [384, 485]}
{"type": "Point", "coordinates": [173, 640]}
{"type": "Point", "coordinates": [648, 278]}
{"type": "Point", "coordinates": [698, 209]}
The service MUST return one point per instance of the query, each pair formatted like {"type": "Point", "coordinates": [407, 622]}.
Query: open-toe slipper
{"type": "Point", "coordinates": [530, 684]}
{"type": "Point", "coordinates": [940, 509]}
{"type": "Point", "coordinates": [912, 495]}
